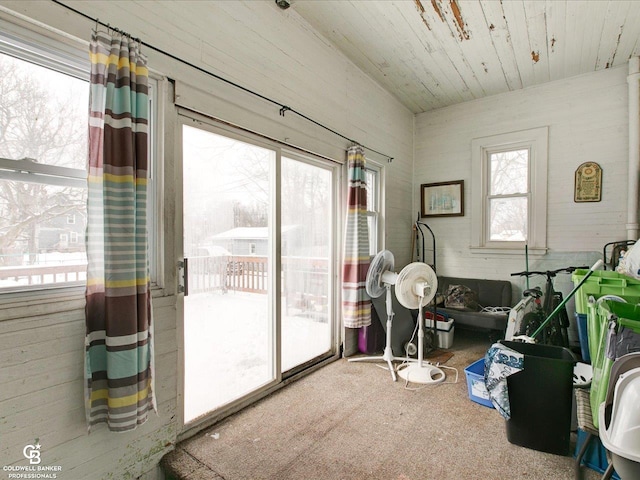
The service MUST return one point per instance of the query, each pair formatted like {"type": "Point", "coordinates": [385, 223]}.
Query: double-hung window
{"type": "Point", "coordinates": [44, 94]}
{"type": "Point", "coordinates": [44, 98]}
{"type": "Point", "coordinates": [509, 188]}
{"type": "Point", "coordinates": [372, 175]}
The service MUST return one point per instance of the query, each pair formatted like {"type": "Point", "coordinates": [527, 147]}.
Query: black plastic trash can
{"type": "Point", "coordinates": [540, 397]}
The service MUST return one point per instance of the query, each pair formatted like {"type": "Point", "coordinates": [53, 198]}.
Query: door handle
{"type": "Point", "coordinates": [183, 276]}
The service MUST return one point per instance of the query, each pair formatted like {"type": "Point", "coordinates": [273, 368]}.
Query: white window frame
{"type": "Point", "coordinates": [536, 140]}
{"type": "Point", "coordinates": [374, 211]}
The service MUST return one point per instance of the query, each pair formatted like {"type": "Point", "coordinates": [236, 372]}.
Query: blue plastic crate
{"type": "Point", "coordinates": [475, 383]}
{"type": "Point", "coordinates": [595, 457]}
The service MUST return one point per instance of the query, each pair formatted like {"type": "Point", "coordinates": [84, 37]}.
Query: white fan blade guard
{"type": "Point", "coordinates": [382, 263]}
{"type": "Point", "coordinates": [416, 275]}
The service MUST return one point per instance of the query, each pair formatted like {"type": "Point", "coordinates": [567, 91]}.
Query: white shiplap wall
{"type": "Point", "coordinates": [41, 399]}
{"type": "Point", "coordinates": [588, 121]}
{"type": "Point", "coordinates": [263, 48]}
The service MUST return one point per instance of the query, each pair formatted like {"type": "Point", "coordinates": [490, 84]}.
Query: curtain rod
{"type": "Point", "coordinates": [283, 108]}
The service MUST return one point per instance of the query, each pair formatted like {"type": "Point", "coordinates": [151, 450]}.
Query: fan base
{"type": "Point", "coordinates": [425, 373]}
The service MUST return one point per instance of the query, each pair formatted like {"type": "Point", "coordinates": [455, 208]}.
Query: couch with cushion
{"type": "Point", "coordinates": [486, 294]}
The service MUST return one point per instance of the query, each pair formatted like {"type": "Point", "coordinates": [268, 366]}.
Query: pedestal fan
{"type": "Point", "coordinates": [380, 278]}
{"type": "Point", "coordinates": [416, 286]}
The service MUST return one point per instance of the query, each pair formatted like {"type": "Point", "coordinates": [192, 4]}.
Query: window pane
{"type": "Point", "coordinates": [306, 253]}
{"type": "Point", "coordinates": [508, 219]}
{"type": "Point", "coordinates": [373, 207]}
{"type": "Point", "coordinates": [43, 117]}
{"type": "Point", "coordinates": [372, 224]}
{"type": "Point", "coordinates": [43, 114]}
{"type": "Point", "coordinates": [371, 177]}
{"type": "Point", "coordinates": [509, 172]}
{"type": "Point", "coordinates": [228, 326]}
{"type": "Point", "coordinates": [38, 245]}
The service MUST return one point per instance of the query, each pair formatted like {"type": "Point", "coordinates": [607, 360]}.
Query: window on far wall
{"type": "Point", "coordinates": [509, 187]}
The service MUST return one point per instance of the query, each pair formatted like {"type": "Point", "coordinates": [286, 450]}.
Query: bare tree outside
{"type": "Point", "coordinates": [236, 191]}
{"type": "Point", "coordinates": [239, 176]}
{"type": "Point", "coordinates": [508, 195]}
{"type": "Point", "coordinates": [306, 205]}
{"type": "Point", "coordinates": [43, 117]}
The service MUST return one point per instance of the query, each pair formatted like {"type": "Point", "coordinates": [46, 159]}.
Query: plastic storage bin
{"type": "Point", "coordinates": [475, 383]}
{"type": "Point", "coordinates": [444, 330]}
{"type": "Point", "coordinates": [541, 398]}
{"type": "Point", "coordinates": [440, 316]}
{"type": "Point", "coordinates": [627, 316]}
{"type": "Point", "coordinates": [604, 282]}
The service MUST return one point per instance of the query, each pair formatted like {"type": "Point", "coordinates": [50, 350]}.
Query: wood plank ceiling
{"type": "Point", "coordinates": [434, 53]}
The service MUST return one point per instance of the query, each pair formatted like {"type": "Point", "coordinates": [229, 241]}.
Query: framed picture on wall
{"type": "Point", "coordinates": [442, 199]}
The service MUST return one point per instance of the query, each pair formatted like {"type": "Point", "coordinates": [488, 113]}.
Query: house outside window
{"type": "Point", "coordinates": [509, 188]}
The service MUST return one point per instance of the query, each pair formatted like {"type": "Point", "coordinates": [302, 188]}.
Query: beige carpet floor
{"type": "Point", "coordinates": [350, 421]}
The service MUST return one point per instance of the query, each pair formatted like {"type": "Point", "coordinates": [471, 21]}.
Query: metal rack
{"type": "Point", "coordinates": [420, 238]}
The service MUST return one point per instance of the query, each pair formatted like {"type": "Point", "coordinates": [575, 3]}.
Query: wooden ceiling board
{"type": "Point", "coordinates": [536, 21]}
{"type": "Point", "coordinates": [612, 29]}
{"type": "Point", "coordinates": [517, 24]}
{"type": "Point", "coordinates": [592, 23]}
{"type": "Point", "coordinates": [456, 44]}
{"type": "Point", "coordinates": [502, 44]}
{"type": "Point", "coordinates": [447, 53]}
{"type": "Point", "coordinates": [433, 61]}
{"type": "Point", "coordinates": [480, 50]}
{"type": "Point", "coordinates": [556, 37]}
{"type": "Point", "coordinates": [420, 56]}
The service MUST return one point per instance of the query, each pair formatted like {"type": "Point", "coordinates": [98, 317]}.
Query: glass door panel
{"type": "Point", "coordinates": [228, 324]}
{"type": "Point", "coordinates": [306, 233]}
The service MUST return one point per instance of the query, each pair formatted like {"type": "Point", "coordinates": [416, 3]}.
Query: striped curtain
{"type": "Point", "coordinates": [356, 304]}
{"type": "Point", "coordinates": [119, 347]}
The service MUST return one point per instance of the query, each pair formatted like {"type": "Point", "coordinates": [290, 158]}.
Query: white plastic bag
{"type": "Point", "coordinates": [630, 262]}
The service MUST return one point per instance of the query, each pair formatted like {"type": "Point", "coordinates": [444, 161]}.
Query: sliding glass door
{"type": "Point", "coordinates": [259, 254]}
{"type": "Point", "coordinates": [306, 235]}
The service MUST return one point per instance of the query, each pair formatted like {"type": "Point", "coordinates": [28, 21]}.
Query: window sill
{"type": "Point", "coordinates": [46, 301]}
{"type": "Point", "coordinates": [536, 252]}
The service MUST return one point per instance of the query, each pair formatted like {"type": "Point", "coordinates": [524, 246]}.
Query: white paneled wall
{"type": "Point", "coordinates": [588, 121]}
{"type": "Point", "coordinates": [263, 48]}
{"type": "Point", "coordinates": [41, 399]}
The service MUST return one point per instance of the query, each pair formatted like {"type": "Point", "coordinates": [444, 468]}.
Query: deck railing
{"type": "Point", "coordinates": [249, 273]}
{"type": "Point", "coordinates": [43, 274]}
{"type": "Point", "coordinates": [303, 276]}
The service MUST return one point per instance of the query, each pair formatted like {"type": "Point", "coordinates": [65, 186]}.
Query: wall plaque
{"type": "Point", "coordinates": [588, 187]}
